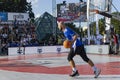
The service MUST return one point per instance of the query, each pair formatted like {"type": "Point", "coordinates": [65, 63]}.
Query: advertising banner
{"type": "Point", "coordinates": [94, 49]}
{"type": "Point", "coordinates": [3, 16]}
{"type": "Point", "coordinates": [75, 12]}
{"type": "Point", "coordinates": [18, 16]}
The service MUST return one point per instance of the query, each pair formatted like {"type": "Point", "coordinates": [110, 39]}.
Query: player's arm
{"type": "Point", "coordinates": [74, 38]}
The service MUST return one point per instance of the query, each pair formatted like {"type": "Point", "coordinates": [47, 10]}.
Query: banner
{"type": "Point", "coordinates": [18, 16]}
{"type": "Point", "coordinates": [94, 49]}
{"type": "Point", "coordinates": [3, 16]}
{"type": "Point", "coordinates": [75, 12]}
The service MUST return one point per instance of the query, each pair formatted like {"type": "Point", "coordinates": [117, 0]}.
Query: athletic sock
{"type": "Point", "coordinates": [94, 68]}
{"type": "Point", "coordinates": [74, 69]}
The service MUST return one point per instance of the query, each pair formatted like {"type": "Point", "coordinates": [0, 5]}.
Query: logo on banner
{"type": "Point", "coordinates": [19, 51]}
{"type": "Point", "coordinates": [39, 50]}
{"type": "Point", "coordinates": [19, 16]}
{"type": "Point", "coordinates": [58, 49]}
{"type": "Point", "coordinates": [100, 50]}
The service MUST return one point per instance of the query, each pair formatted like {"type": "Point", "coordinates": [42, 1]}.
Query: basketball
{"type": "Point", "coordinates": [67, 44]}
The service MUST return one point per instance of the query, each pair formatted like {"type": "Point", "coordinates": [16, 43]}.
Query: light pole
{"type": "Point", "coordinates": [54, 22]}
{"type": "Point", "coordinates": [88, 20]}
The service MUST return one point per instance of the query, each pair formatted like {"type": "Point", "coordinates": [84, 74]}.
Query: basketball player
{"type": "Point", "coordinates": [77, 47]}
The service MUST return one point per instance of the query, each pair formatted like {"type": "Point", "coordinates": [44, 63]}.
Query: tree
{"type": "Point", "coordinates": [116, 23]}
{"type": "Point", "coordinates": [21, 6]}
{"type": "Point", "coordinates": [31, 14]}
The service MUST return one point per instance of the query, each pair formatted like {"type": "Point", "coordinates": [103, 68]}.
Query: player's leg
{"type": "Point", "coordinates": [72, 63]}
{"type": "Point", "coordinates": [81, 51]}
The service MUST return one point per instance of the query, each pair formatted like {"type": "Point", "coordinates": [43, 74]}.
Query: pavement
{"type": "Point", "coordinates": [54, 66]}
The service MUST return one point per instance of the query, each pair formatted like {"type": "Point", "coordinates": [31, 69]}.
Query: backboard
{"type": "Point", "coordinates": [99, 5]}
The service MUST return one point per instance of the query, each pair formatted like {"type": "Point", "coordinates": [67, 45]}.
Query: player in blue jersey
{"type": "Point", "coordinates": [77, 47]}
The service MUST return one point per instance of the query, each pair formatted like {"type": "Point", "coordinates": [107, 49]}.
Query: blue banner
{"type": "Point", "coordinates": [3, 16]}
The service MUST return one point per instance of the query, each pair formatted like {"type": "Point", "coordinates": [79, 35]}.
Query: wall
{"type": "Point", "coordinates": [94, 49]}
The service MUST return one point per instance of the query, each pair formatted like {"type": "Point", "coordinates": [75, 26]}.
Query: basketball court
{"type": "Point", "coordinates": [54, 66]}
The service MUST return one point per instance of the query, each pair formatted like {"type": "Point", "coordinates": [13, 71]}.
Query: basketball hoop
{"type": "Point", "coordinates": [95, 11]}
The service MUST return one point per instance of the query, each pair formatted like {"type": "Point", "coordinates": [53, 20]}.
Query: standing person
{"type": "Point", "coordinates": [106, 39]}
{"type": "Point", "coordinates": [77, 47]}
{"type": "Point", "coordinates": [23, 43]}
{"type": "Point", "coordinates": [116, 43]}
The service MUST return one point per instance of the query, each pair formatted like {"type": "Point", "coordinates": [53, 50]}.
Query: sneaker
{"type": "Point", "coordinates": [97, 73]}
{"type": "Point", "coordinates": [74, 73]}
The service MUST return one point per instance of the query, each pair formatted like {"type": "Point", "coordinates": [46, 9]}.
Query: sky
{"type": "Point", "coordinates": [41, 6]}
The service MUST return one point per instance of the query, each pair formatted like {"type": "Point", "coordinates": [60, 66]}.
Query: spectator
{"type": "Point", "coordinates": [115, 43]}
{"type": "Point", "coordinates": [106, 39]}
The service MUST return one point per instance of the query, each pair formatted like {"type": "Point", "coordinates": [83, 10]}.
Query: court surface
{"type": "Point", "coordinates": [54, 66]}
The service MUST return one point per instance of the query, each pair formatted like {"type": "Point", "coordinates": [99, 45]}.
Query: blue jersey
{"type": "Point", "coordinates": [69, 34]}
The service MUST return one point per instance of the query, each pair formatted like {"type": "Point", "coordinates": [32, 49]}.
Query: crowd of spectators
{"type": "Point", "coordinates": [23, 35]}
{"type": "Point", "coordinates": [14, 35]}
{"type": "Point", "coordinates": [113, 40]}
